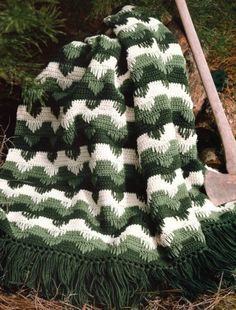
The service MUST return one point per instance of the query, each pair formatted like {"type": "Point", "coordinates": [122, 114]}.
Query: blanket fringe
{"type": "Point", "coordinates": [64, 276]}
{"type": "Point", "coordinates": [116, 283]}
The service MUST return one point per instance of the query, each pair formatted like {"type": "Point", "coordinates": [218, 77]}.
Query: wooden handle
{"type": "Point", "coordinates": [225, 131]}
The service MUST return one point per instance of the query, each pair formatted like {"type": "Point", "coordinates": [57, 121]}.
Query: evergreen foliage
{"type": "Point", "coordinates": [25, 29]}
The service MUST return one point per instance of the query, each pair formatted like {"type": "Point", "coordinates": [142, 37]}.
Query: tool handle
{"type": "Point", "coordinates": [225, 131]}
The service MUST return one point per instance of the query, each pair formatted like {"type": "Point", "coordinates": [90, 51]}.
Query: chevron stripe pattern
{"type": "Point", "coordinates": [102, 195]}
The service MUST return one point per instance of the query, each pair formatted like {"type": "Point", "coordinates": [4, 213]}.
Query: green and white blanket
{"type": "Point", "coordinates": [102, 196]}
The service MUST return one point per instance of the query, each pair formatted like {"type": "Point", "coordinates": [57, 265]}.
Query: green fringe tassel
{"type": "Point", "coordinates": [116, 282]}
{"type": "Point", "coordinates": [64, 276]}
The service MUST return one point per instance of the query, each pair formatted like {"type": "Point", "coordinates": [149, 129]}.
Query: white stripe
{"type": "Point", "coordinates": [127, 8]}
{"type": "Point", "coordinates": [101, 152]}
{"type": "Point", "coordinates": [161, 145]}
{"type": "Point", "coordinates": [32, 193]}
{"type": "Point", "coordinates": [77, 43]}
{"type": "Point", "coordinates": [104, 152]}
{"type": "Point", "coordinates": [157, 88]}
{"type": "Point", "coordinates": [156, 183]}
{"type": "Point", "coordinates": [172, 224]}
{"type": "Point", "coordinates": [154, 89]}
{"type": "Point", "coordinates": [52, 71]}
{"type": "Point", "coordinates": [51, 168]}
{"type": "Point", "coordinates": [99, 69]}
{"type": "Point", "coordinates": [185, 145]}
{"type": "Point", "coordinates": [130, 199]}
{"type": "Point", "coordinates": [84, 195]}
{"type": "Point", "coordinates": [105, 198]}
{"type": "Point", "coordinates": [177, 90]}
{"type": "Point", "coordinates": [135, 51]}
{"type": "Point", "coordinates": [35, 123]}
{"type": "Point", "coordinates": [132, 23]}
{"type": "Point", "coordinates": [79, 225]}
{"type": "Point", "coordinates": [194, 178]}
{"type": "Point", "coordinates": [102, 39]}
{"type": "Point", "coordinates": [106, 107]}
{"type": "Point", "coordinates": [119, 80]}
{"type": "Point", "coordinates": [209, 208]}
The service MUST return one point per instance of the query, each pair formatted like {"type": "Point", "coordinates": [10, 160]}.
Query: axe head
{"type": "Point", "coordinates": [220, 187]}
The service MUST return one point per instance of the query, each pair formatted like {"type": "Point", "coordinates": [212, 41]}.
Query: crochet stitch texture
{"type": "Point", "coordinates": [102, 195]}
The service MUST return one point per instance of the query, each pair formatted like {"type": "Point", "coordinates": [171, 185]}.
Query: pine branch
{"type": "Point", "coordinates": [25, 27]}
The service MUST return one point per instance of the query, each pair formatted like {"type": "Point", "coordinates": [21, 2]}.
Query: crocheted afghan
{"type": "Point", "coordinates": [102, 196]}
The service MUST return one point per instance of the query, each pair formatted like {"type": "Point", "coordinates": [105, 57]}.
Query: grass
{"type": "Point", "coordinates": [30, 300]}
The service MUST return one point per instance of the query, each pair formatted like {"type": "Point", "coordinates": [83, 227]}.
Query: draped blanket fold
{"type": "Point", "coordinates": [102, 197]}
